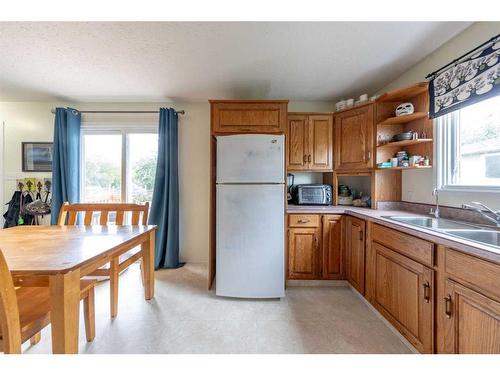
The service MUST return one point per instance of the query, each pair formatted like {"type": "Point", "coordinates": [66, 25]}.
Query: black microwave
{"type": "Point", "coordinates": [312, 194]}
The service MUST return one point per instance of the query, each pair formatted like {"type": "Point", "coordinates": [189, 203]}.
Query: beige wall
{"type": "Point", "coordinates": [418, 184]}
{"type": "Point", "coordinates": [33, 121]}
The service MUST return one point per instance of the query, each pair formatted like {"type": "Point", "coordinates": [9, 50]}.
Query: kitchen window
{"type": "Point", "coordinates": [468, 148]}
{"type": "Point", "coordinates": [118, 164]}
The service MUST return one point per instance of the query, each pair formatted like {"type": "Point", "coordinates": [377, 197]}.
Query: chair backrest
{"type": "Point", "coordinates": [69, 212]}
{"type": "Point", "coordinates": [10, 328]}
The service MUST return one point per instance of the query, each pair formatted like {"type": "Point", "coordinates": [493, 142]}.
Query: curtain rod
{"type": "Point", "coordinates": [461, 57]}
{"type": "Point", "coordinates": [179, 112]}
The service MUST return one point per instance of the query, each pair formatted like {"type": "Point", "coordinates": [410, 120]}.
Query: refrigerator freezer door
{"type": "Point", "coordinates": [250, 158]}
{"type": "Point", "coordinates": [250, 244]}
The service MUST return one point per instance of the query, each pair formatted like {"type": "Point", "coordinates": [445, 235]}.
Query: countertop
{"type": "Point", "coordinates": [377, 216]}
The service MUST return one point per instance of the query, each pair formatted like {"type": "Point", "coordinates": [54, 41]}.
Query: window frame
{"type": "Point", "coordinates": [109, 129]}
{"type": "Point", "coordinates": [447, 151]}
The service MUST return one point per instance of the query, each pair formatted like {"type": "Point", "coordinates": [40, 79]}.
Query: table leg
{"type": "Point", "coordinates": [113, 286]}
{"type": "Point", "coordinates": [148, 265]}
{"type": "Point", "coordinates": [65, 312]}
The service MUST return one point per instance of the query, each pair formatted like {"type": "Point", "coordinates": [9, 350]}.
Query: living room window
{"type": "Point", "coordinates": [118, 164]}
{"type": "Point", "coordinates": [468, 148]}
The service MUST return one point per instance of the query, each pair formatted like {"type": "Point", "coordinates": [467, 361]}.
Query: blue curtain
{"type": "Point", "coordinates": [165, 204]}
{"type": "Point", "coordinates": [65, 159]}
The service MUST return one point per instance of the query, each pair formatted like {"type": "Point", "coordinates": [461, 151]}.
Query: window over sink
{"type": "Point", "coordinates": [468, 148]}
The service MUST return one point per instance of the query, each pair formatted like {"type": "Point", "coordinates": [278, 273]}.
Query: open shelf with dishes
{"type": "Point", "coordinates": [409, 142]}
{"type": "Point", "coordinates": [353, 188]}
{"type": "Point", "coordinates": [404, 168]}
{"type": "Point", "coordinates": [407, 139]}
{"type": "Point", "coordinates": [404, 119]}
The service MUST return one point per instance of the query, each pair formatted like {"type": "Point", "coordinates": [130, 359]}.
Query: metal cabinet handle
{"type": "Point", "coordinates": [316, 242]}
{"type": "Point", "coordinates": [447, 306]}
{"type": "Point", "coordinates": [427, 289]}
{"type": "Point", "coordinates": [309, 158]}
{"type": "Point", "coordinates": [361, 235]}
{"type": "Point", "coordinates": [305, 158]}
{"type": "Point", "coordinates": [369, 155]}
{"type": "Point", "coordinates": [302, 221]}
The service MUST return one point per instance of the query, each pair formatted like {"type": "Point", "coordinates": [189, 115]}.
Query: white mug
{"type": "Point", "coordinates": [350, 102]}
{"type": "Point", "coordinates": [394, 162]}
{"type": "Point", "coordinates": [363, 98]}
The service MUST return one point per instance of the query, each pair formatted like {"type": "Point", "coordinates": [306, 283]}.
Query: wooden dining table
{"type": "Point", "coordinates": [58, 256]}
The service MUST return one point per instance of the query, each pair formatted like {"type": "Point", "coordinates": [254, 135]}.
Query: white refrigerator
{"type": "Point", "coordinates": [250, 255]}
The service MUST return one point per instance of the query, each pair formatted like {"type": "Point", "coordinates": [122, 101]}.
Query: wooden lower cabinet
{"type": "Point", "coordinates": [355, 252]}
{"type": "Point", "coordinates": [303, 253]}
{"type": "Point", "coordinates": [315, 247]}
{"type": "Point", "coordinates": [333, 247]}
{"type": "Point", "coordinates": [472, 321]}
{"type": "Point", "coordinates": [404, 295]}
{"type": "Point", "coordinates": [448, 306]}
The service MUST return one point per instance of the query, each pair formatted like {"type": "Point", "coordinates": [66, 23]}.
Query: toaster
{"type": "Point", "coordinates": [312, 194]}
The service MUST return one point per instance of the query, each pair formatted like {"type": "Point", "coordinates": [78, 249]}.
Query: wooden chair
{"type": "Point", "coordinates": [68, 216]}
{"type": "Point", "coordinates": [25, 311]}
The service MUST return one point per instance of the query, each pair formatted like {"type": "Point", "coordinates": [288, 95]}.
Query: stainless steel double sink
{"type": "Point", "coordinates": [471, 232]}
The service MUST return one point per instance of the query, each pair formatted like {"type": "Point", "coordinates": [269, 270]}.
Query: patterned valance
{"type": "Point", "coordinates": [467, 80]}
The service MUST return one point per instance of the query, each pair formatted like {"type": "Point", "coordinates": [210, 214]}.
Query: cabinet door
{"type": "Point", "coordinates": [297, 143]}
{"type": "Point", "coordinates": [354, 139]}
{"type": "Point", "coordinates": [248, 116]}
{"type": "Point", "coordinates": [472, 323]}
{"type": "Point", "coordinates": [333, 249]}
{"type": "Point", "coordinates": [404, 295]}
{"type": "Point", "coordinates": [303, 253]}
{"type": "Point", "coordinates": [320, 143]}
{"type": "Point", "coordinates": [355, 253]}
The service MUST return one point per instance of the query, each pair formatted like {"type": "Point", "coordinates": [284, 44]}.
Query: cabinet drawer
{"type": "Point", "coordinates": [310, 221]}
{"type": "Point", "coordinates": [249, 117]}
{"type": "Point", "coordinates": [415, 248]}
{"type": "Point", "coordinates": [485, 275]}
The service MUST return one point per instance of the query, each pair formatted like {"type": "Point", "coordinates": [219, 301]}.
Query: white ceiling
{"type": "Point", "coordinates": [166, 61]}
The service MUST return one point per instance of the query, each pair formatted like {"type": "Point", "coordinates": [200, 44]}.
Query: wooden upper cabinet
{"type": "Point", "coordinates": [472, 321]}
{"type": "Point", "coordinates": [355, 252]}
{"type": "Point", "coordinates": [247, 116]}
{"type": "Point", "coordinates": [354, 138]}
{"type": "Point", "coordinates": [320, 142]}
{"type": "Point", "coordinates": [297, 141]}
{"type": "Point", "coordinates": [404, 294]}
{"type": "Point", "coordinates": [333, 247]}
{"type": "Point", "coordinates": [310, 142]}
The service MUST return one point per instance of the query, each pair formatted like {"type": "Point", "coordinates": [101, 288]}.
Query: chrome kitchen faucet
{"type": "Point", "coordinates": [435, 211]}
{"type": "Point", "coordinates": [495, 218]}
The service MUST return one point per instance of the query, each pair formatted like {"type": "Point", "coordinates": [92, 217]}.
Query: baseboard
{"type": "Point", "coordinates": [386, 322]}
{"type": "Point", "coordinates": [293, 283]}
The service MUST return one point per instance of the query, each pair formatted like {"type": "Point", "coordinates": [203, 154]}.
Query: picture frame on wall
{"type": "Point", "coordinates": [37, 156]}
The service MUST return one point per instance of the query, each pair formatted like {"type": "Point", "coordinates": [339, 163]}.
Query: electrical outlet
{"type": "Point", "coordinates": [411, 195]}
